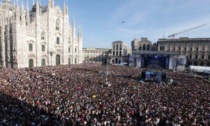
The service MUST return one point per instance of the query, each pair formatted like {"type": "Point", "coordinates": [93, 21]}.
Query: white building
{"type": "Point", "coordinates": [141, 44]}
{"type": "Point", "coordinates": [40, 36]}
{"type": "Point", "coordinates": [197, 50]}
{"type": "Point", "coordinates": [119, 52]}
{"type": "Point", "coordinates": [94, 54]}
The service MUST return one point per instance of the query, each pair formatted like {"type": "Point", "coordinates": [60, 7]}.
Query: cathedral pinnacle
{"type": "Point", "coordinates": [51, 3]}
{"type": "Point", "coordinates": [66, 8]}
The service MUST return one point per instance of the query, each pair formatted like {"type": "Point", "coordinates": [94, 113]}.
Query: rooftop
{"type": "Point", "coordinates": [182, 39]}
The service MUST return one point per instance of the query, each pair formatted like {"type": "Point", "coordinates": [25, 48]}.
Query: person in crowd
{"type": "Point", "coordinates": [75, 95]}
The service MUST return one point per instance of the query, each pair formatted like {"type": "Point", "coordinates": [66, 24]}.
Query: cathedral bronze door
{"type": "Point", "coordinates": [58, 59]}
{"type": "Point", "coordinates": [31, 62]}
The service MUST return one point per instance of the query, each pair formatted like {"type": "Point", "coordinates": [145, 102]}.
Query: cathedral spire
{"type": "Point", "coordinates": [37, 7]}
{"type": "Point", "coordinates": [27, 6]}
{"type": "Point", "coordinates": [80, 32]}
{"type": "Point", "coordinates": [27, 14]}
{"type": "Point", "coordinates": [73, 27]}
{"type": "Point", "coordinates": [50, 3]}
{"type": "Point", "coordinates": [17, 11]}
{"type": "Point", "coordinates": [22, 6]}
{"type": "Point", "coordinates": [65, 7]}
{"type": "Point", "coordinates": [16, 3]}
{"type": "Point", "coordinates": [22, 13]}
{"type": "Point", "coordinates": [40, 2]}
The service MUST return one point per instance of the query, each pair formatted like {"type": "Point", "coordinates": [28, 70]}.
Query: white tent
{"type": "Point", "coordinates": [202, 69]}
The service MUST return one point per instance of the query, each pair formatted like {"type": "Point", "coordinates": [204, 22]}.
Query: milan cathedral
{"type": "Point", "coordinates": [39, 36]}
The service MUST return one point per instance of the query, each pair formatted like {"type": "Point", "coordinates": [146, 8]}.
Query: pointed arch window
{"type": "Point", "coordinates": [43, 48]}
{"type": "Point", "coordinates": [69, 49]}
{"type": "Point", "coordinates": [58, 24]}
{"type": "Point", "coordinates": [43, 35]}
{"type": "Point", "coordinates": [30, 46]}
{"type": "Point", "coordinates": [75, 60]}
{"type": "Point", "coordinates": [76, 50]}
{"type": "Point", "coordinates": [58, 58]}
{"type": "Point", "coordinates": [69, 40]}
{"type": "Point", "coordinates": [69, 60]}
{"type": "Point", "coordinates": [30, 63]}
{"type": "Point", "coordinates": [57, 40]}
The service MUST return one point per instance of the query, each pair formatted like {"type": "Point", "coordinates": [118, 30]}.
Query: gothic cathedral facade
{"type": "Point", "coordinates": [40, 36]}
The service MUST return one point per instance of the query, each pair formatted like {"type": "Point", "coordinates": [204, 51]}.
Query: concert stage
{"type": "Point", "coordinates": [162, 60]}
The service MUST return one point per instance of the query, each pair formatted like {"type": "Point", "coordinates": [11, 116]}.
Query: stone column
{"type": "Point", "coordinates": [8, 46]}
{"type": "Point", "coordinates": [3, 46]}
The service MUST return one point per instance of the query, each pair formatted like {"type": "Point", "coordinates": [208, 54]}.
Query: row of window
{"type": "Point", "coordinates": [179, 49]}
{"type": "Point", "coordinates": [199, 64]}
{"type": "Point", "coordinates": [117, 54]}
{"type": "Point", "coordinates": [43, 61]}
{"type": "Point", "coordinates": [117, 47]}
{"type": "Point", "coordinates": [43, 38]}
{"type": "Point", "coordinates": [31, 62]}
{"type": "Point", "coordinates": [92, 52]}
{"type": "Point", "coordinates": [30, 46]}
{"type": "Point", "coordinates": [69, 60]}
{"type": "Point", "coordinates": [187, 44]}
{"type": "Point", "coordinates": [196, 57]}
{"type": "Point", "coordinates": [57, 39]}
{"type": "Point", "coordinates": [144, 47]}
{"type": "Point", "coordinates": [57, 28]}
{"type": "Point", "coordinates": [43, 48]}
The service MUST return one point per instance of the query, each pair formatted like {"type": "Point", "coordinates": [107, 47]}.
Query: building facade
{"type": "Point", "coordinates": [94, 54]}
{"type": "Point", "coordinates": [39, 36]}
{"type": "Point", "coordinates": [141, 44]}
{"type": "Point", "coordinates": [197, 50]}
{"type": "Point", "coordinates": [119, 52]}
{"type": "Point", "coordinates": [145, 54]}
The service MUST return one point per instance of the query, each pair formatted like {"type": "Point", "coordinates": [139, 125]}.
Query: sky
{"type": "Point", "coordinates": [102, 20]}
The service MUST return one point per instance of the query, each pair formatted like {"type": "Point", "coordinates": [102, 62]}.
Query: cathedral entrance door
{"type": "Point", "coordinates": [58, 59]}
{"type": "Point", "coordinates": [31, 63]}
{"type": "Point", "coordinates": [43, 62]}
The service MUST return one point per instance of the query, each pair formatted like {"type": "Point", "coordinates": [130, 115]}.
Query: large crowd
{"type": "Point", "coordinates": [76, 95]}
